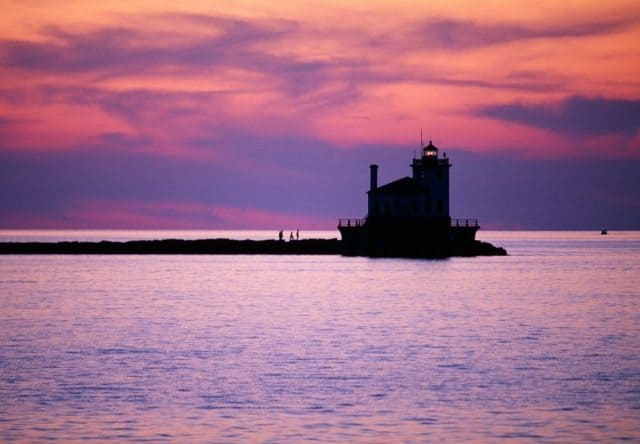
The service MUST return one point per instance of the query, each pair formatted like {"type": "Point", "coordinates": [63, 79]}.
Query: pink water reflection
{"type": "Point", "coordinates": [542, 344]}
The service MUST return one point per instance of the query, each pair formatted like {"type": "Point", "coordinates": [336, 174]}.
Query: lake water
{"type": "Point", "coordinates": [541, 345]}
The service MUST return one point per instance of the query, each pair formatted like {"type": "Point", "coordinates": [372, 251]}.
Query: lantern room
{"type": "Point", "coordinates": [430, 151]}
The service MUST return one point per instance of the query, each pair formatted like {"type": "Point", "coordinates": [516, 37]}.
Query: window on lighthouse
{"type": "Point", "coordinates": [430, 152]}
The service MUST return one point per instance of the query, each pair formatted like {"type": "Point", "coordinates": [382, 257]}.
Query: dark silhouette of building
{"type": "Point", "coordinates": [410, 217]}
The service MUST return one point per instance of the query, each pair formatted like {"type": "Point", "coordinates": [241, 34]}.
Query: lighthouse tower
{"type": "Point", "coordinates": [432, 173]}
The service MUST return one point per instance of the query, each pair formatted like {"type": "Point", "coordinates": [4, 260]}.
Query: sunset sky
{"type": "Point", "coordinates": [253, 114]}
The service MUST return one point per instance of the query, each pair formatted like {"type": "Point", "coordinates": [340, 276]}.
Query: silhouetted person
{"type": "Point", "coordinates": [297, 234]}
{"type": "Point", "coordinates": [280, 237]}
{"type": "Point", "coordinates": [291, 236]}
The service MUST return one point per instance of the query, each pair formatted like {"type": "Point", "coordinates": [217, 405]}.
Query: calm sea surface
{"type": "Point", "coordinates": [541, 345]}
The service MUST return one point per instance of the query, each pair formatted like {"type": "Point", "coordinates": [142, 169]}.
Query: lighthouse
{"type": "Point", "coordinates": [425, 196]}
{"type": "Point", "coordinates": [410, 217]}
{"type": "Point", "coordinates": [432, 173]}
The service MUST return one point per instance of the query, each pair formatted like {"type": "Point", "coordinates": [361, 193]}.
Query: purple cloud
{"type": "Point", "coordinates": [315, 178]}
{"type": "Point", "coordinates": [558, 194]}
{"type": "Point", "coordinates": [462, 35]}
{"type": "Point", "coordinates": [122, 51]}
{"type": "Point", "coordinates": [575, 115]}
{"type": "Point", "coordinates": [226, 44]}
{"type": "Point", "coordinates": [244, 44]}
{"type": "Point", "coordinates": [110, 49]}
{"type": "Point", "coordinates": [132, 104]}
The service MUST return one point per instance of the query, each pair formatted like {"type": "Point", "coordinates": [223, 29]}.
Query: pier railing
{"type": "Point", "coordinates": [464, 223]}
{"type": "Point", "coordinates": [473, 223]}
{"type": "Point", "coordinates": [351, 222]}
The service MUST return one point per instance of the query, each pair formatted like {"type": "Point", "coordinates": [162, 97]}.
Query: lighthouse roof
{"type": "Point", "coordinates": [406, 185]}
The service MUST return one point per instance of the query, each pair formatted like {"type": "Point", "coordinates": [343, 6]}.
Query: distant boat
{"type": "Point", "coordinates": [604, 231]}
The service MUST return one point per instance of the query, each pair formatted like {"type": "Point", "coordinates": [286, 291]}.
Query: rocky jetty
{"type": "Point", "coordinates": [176, 246]}
{"type": "Point", "coordinates": [478, 248]}
{"type": "Point", "coordinates": [212, 246]}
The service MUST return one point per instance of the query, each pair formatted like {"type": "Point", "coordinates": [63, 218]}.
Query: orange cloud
{"type": "Point", "coordinates": [347, 73]}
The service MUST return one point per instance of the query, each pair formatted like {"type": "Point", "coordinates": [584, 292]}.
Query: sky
{"type": "Point", "coordinates": [266, 115]}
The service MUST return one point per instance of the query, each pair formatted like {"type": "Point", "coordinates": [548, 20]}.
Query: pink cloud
{"type": "Point", "coordinates": [213, 72]}
{"type": "Point", "coordinates": [248, 218]}
{"type": "Point", "coordinates": [13, 219]}
{"type": "Point", "coordinates": [96, 214]}
{"type": "Point", "coordinates": [131, 215]}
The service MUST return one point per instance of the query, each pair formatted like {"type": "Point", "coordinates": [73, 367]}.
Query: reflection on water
{"type": "Point", "coordinates": [543, 344]}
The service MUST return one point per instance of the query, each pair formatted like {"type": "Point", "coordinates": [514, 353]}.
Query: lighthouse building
{"type": "Point", "coordinates": [409, 216]}
{"type": "Point", "coordinates": [425, 195]}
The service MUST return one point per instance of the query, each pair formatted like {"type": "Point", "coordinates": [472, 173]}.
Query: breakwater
{"type": "Point", "coordinates": [213, 246]}
{"type": "Point", "coordinates": [176, 246]}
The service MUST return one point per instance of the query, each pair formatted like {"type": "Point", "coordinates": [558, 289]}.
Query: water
{"type": "Point", "coordinates": [541, 345]}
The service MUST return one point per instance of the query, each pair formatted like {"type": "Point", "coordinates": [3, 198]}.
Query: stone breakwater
{"type": "Point", "coordinates": [214, 246]}
{"type": "Point", "coordinates": [177, 246]}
